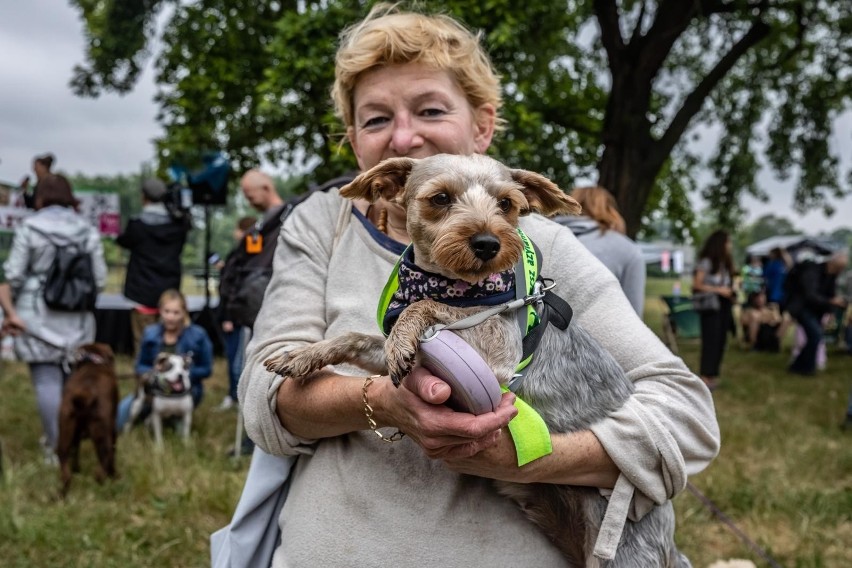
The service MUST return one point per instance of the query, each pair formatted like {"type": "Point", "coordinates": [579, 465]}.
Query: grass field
{"type": "Point", "coordinates": [784, 476]}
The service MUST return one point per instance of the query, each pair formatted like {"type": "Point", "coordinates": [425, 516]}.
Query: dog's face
{"type": "Point", "coordinates": [462, 211]}
{"type": "Point", "coordinates": [173, 370]}
{"type": "Point", "coordinates": [97, 353]}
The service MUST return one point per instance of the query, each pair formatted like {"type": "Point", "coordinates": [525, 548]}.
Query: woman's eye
{"type": "Point", "coordinates": [374, 121]}
{"type": "Point", "coordinates": [429, 112]}
{"type": "Point", "coordinates": [505, 205]}
{"type": "Point", "coordinates": [440, 200]}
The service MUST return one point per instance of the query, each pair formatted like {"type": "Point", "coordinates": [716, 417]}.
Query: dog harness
{"type": "Point", "coordinates": [499, 293]}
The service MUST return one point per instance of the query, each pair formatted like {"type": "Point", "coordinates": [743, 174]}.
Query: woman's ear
{"type": "Point", "coordinates": [484, 118]}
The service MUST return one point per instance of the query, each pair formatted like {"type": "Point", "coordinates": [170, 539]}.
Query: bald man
{"type": "Point", "coordinates": [244, 280]}
{"type": "Point", "coordinates": [259, 190]}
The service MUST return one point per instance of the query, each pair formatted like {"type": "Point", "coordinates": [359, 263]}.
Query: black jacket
{"type": "Point", "coordinates": [239, 264]}
{"type": "Point", "coordinates": [155, 243]}
{"type": "Point", "coordinates": [810, 288]}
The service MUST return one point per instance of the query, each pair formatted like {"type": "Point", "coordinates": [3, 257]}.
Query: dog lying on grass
{"type": "Point", "coordinates": [88, 410]}
{"type": "Point", "coordinates": [462, 216]}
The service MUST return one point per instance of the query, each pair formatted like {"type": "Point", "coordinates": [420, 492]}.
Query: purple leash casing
{"type": "Point", "coordinates": [475, 389]}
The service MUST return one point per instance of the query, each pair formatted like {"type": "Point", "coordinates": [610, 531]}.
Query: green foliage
{"type": "Point", "coordinates": [593, 88]}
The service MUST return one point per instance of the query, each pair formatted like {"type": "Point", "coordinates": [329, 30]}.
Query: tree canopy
{"type": "Point", "coordinates": [614, 91]}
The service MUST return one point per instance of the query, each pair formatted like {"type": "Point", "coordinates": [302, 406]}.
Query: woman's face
{"type": "Point", "coordinates": [172, 315]}
{"type": "Point", "coordinates": [411, 110]}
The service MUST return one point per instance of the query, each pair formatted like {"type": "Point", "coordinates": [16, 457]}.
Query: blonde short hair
{"type": "Point", "coordinates": [600, 205]}
{"type": "Point", "coordinates": [390, 37]}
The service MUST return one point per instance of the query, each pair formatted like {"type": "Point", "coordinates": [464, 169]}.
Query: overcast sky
{"type": "Point", "coordinates": [41, 41]}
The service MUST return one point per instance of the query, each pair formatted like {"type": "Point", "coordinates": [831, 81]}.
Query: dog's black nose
{"type": "Point", "coordinates": [485, 246]}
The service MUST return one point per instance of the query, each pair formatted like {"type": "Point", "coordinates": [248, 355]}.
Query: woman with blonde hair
{"type": "Point", "coordinates": [416, 85]}
{"type": "Point", "coordinates": [601, 229]}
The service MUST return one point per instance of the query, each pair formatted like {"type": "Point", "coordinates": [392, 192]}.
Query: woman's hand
{"type": "Point", "coordinates": [417, 408]}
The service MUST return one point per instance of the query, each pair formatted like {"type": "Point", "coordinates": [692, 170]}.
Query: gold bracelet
{"type": "Point", "coordinates": [368, 410]}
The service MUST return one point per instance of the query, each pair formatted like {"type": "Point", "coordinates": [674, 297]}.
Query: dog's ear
{"type": "Point", "coordinates": [544, 196]}
{"type": "Point", "coordinates": [387, 180]}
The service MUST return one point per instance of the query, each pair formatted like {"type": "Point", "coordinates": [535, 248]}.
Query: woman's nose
{"type": "Point", "coordinates": [404, 137]}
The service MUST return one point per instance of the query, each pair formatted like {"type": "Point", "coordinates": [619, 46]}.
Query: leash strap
{"type": "Point", "coordinates": [529, 433]}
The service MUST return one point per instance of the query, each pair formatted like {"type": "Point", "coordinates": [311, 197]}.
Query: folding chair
{"type": "Point", "coordinates": [680, 321]}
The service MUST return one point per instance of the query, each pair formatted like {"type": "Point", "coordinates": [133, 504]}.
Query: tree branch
{"type": "Point", "coordinates": [695, 100]}
{"type": "Point", "coordinates": [637, 31]}
{"type": "Point", "coordinates": [606, 12]}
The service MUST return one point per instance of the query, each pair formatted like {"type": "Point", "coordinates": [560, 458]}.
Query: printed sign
{"type": "Point", "coordinates": [101, 209]}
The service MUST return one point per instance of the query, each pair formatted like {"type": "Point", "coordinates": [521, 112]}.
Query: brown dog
{"type": "Point", "coordinates": [88, 410]}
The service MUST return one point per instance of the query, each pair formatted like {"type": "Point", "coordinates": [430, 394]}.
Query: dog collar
{"type": "Point", "coordinates": [413, 284]}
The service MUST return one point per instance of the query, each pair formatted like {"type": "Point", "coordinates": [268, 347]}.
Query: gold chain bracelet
{"type": "Point", "coordinates": [368, 410]}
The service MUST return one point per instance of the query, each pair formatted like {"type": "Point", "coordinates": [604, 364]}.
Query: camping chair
{"type": "Point", "coordinates": [680, 321]}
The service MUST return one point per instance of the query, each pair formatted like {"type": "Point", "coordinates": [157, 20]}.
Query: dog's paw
{"type": "Point", "coordinates": [400, 362]}
{"type": "Point", "coordinates": [296, 364]}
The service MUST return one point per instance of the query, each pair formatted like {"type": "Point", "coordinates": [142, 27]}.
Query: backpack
{"type": "Point", "coordinates": [70, 282]}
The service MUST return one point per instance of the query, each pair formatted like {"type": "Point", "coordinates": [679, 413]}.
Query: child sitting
{"type": "Point", "coordinates": [761, 323]}
{"type": "Point", "coordinates": [173, 334]}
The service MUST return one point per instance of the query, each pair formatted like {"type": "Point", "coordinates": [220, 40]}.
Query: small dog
{"type": "Point", "coordinates": [171, 395]}
{"type": "Point", "coordinates": [462, 217]}
{"type": "Point", "coordinates": [88, 410]}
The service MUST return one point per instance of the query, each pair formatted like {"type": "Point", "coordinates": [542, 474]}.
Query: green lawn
{"type": "Point", "coordinates": [784, 475]}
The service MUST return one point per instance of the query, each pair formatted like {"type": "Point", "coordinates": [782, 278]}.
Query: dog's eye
{"type": "Point", "coordinates": [440, 200]}
{"type": "Point", "coordinates": [505, 205]}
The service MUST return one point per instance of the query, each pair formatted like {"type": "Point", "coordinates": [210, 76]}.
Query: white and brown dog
{"type": "Point", "coordinates": [462, 217]}
{"type": "Point", "coordinates": [168, 390]}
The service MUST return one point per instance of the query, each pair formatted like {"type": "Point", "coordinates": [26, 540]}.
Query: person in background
{"type": "Point", "coordinates": [714, 275]}
{"type": "Point", "coordinates": [601, 229]}
{"type": "Point", "coordinates": [774, 275]}
{"type": "Point", "coordinates": [760, 322]}
{"type": "Point", "coordinates": [243, 282]}
{"type": "Point", "coordinates": [811, 294]}
{"type": "Point", "coordinates": [41, 167]}
{"type": "Point", "coordinates": [174, 333]}
{"type": "Point", "coordinates": [752, 276]}
{"type": "Point", "coordinates": [416, 85]}
{"type": "Point", "coordinates": [51, 334]}
{"type": "Point", "coordinates": [155, 239]}
{"type": "Point", "coordinates": [233, 332]}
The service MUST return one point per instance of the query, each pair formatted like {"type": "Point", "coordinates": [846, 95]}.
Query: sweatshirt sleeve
{"type": "Point", "coordinates": [667, 429]}
{"type": "Point", "coordinates": [297, 289]}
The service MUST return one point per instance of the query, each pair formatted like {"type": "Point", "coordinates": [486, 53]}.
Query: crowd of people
{"type": "Point", "coordinates": [772, 294]}
{"type": "Point", "coordinates": [409, 85]}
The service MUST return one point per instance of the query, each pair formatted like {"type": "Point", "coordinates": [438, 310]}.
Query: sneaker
{"type": "Point", "coordinates": [226, 404]}
{"type": "Point", "coordinates": [49, 455]}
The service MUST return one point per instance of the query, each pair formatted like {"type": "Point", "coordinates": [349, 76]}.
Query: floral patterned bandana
{"type": "Point", "coordinates": [416, 284]}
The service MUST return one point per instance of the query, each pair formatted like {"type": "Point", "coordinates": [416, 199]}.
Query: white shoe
{"type": "Point", "coordinates": [50, 457]}
{"type": "Point", "coordinates": [227, 404]}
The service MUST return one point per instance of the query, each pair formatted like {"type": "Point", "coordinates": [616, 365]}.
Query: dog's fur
{"type": "Point", "coordinates": [88, 410]}
{"type": "Point", "coordinates": [572, 381]}
{"type": "Point", "coordinates": [171, 395]}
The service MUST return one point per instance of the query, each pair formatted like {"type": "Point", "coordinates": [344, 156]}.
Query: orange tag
{"type": "Point", "coordinates": [254, 243]}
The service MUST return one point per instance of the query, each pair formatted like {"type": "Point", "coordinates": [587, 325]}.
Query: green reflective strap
{"type": "Point", "coordinates": [390, 289]}
{"type": "Point", "coordinates": [529, 433]}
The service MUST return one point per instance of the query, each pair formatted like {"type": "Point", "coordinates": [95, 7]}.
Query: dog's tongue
{"type": "Point", "coordinates": [177, 386]}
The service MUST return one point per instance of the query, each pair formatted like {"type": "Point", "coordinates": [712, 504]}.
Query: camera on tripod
{"type": "Point", "coordinates": [207, 186]}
